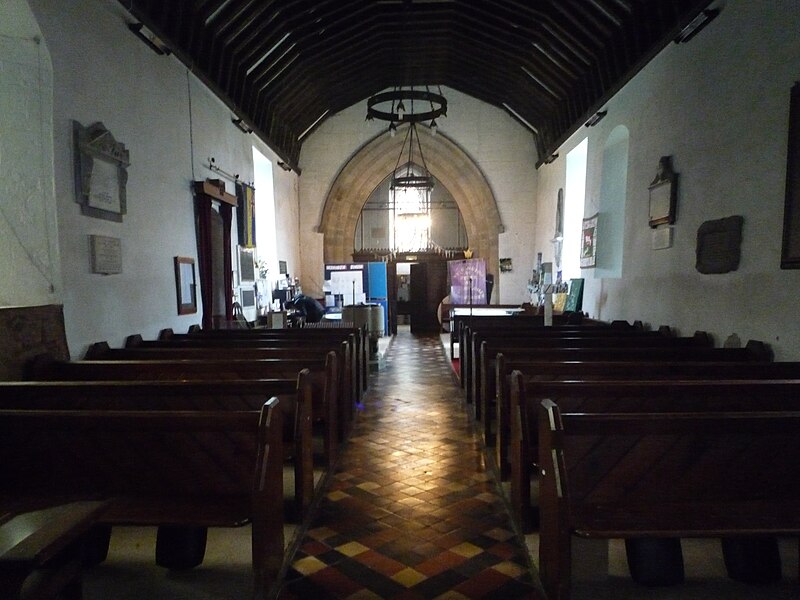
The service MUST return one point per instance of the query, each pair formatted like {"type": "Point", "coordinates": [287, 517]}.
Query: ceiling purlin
{"type": "Point", "coordinates": [215, 24]}
{"type": "Point", "coordinates": [262, 36]}
{"type": "Point", "coordinates": [283, 63]}
{"type": "Point", "coordinates": [517, 59]}
{"type": "Point", "coordinates": [273, 103]}
{"type": "Point", "coordinates": [223, 64]}
{"type": "Point", "coordinates": [383, 46]}
{"type": "Point", "coordinates": [609, 12]}
{"type": "Point", "coordinates": [614, 44]}
{"type": "Point", "coordinates": [260, 95]}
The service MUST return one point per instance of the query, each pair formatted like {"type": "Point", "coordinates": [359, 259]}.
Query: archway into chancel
{"type": "Point", "coordinates": [445, 161]}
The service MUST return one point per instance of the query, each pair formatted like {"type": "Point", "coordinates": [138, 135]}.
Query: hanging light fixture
{"type": "Point", "coordinates": [392, 106]}
{"type": "Point", "coordinates": [411, 182]}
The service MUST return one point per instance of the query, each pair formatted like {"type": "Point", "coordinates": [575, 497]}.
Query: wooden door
{"type": "Point", "coordinates": [428, 288]}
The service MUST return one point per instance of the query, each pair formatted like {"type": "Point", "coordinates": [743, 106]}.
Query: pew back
{"type": "Point", "coordinates": [322, 377]}
{"type": "Point", "coordinates": [186, 396]}
{"type": "Point", "coordinates": [667, 474]}
{"type": "Point", "coordinates": [597, 397]}
{"type": "Point", "coordinates": [154, 469]}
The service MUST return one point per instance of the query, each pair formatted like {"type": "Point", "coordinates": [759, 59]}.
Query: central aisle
{"type": "Point", "coordinates": [411, 511]}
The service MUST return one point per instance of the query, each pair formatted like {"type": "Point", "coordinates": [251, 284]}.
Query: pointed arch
{"type": "Point", "coordinates": [446, 161]}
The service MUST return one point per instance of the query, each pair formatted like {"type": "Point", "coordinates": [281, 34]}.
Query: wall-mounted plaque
{"type": "Point", "coordinates": [185, 285]}
{"type": "Point", "coordinates": [100, 172]}
{"type": "Point", "coordinates": [106, 254]}
{"type": "Point", "coordinates": [663, 194]}
{"type": "Point", "coordinates": [719, 245]}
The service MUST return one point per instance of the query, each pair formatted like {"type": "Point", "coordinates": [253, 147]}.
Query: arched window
{"type": "Point", "coordinates": [574, 200]}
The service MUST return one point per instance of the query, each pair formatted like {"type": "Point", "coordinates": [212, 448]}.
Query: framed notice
{"type": "Point", "coordinates": [589, 243]}
{"type": "Point", "coordinates": [106, 254]}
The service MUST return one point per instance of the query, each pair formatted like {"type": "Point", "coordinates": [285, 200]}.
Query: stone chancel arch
{"type": "Point", "coordinates": [445, 160]}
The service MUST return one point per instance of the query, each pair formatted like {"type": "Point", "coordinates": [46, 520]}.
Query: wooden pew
{"type": "Point", "coordinates": [219, 468]}
{"type": "Point", "coordinates": [663, 474]}
{"type": "Point", "coordinates": [561, 326]}
{"type": "Point", "coordinates": [473, 335]}
{"type": "Point", "coordinates": [102, 351]}
{"type": "Point", "coordinates": [487, 346]}
{"type": "Point", "coordinates": [529, 325]}
{"type": "Point", "coordinates": [523, 319]}
{"type": "Point", "coordinates": [187, 395]}
{"type": "Point", "coordinates": [727, 365]}
{"type": "Point", "coordinates": [43, 550]}
{"type": "Point", "coordinates": [355, 337]}
{"type": "Point", "coordinates": [323, 379]}
{"type": "Point", "coordinates": [625, 396]}
{"type": "Point", "coordinates": [313, 333]}
{"type": "Point", "coordinates": [345, 344]}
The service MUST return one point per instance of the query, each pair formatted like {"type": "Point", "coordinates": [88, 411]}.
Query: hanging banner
{"type": "Point", "coordinates": [246, 214]}
{"type": "Point", "coordinates": [467, 281]}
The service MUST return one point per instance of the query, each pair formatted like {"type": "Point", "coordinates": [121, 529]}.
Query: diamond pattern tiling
{"type": "Point", "coordinates": [411, 511]}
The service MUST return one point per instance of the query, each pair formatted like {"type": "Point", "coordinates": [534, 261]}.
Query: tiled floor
{"type": "Point", "coordinates": [411, 510]}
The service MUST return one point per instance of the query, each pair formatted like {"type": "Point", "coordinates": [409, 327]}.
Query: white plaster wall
{"type": "Point", "coordinates": [719, 106]}
{"type": "Point", "coordinates": [502, 149]}
{"type": "Point", "coordinates": [103, 73]}
{"type": "Point", "coordinates": [29, 257]}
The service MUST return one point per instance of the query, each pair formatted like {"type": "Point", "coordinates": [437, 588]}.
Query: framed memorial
{"type": "Point", "coordinates": [663, 194]}
{"type": "Point", "coordinates": [101, 173]}
{"type": "Point", "coordinates": [185, 285]}
{"type": "Point", "coordinates": [247, 265]}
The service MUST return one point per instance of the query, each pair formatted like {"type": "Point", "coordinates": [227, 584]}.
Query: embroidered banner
{"type": "Point", "coordinates": [246, 214]}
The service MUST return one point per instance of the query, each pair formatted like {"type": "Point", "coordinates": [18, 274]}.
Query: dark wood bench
{"type": "Point", "coordinates": [472, 335]}
{"type": "Point", "coordinates": [535, 324]}
{"type": "Point", "coordinates": [43, 550]}
{"type": "Point", "coordinates": [497, 425]}
{"type": "Point", "coordinates": [355, 337]}
{"type": "Point", "coordinates": [624, 396]}
{"type": "Point", "coordinates": [323, 379]}
{"type": "Point", "coordinates": [314, 335]}
{"type": "Point", "coordinates": [486, 347]}
{"type": "Point", "coordinates": [525, 319]}
{"type": "Point", "coordinates": [188, 395]}
{"type": "Point", "coordinates": [347, 385]}
{"type": "Point", "coordinates": [165, 468]}
{"type": "Point", "coordinates": [662, 474]}
{"type": "Point", "coordinates": [483, 346]}
{"type": "Point", "coordinates": [345, 344]}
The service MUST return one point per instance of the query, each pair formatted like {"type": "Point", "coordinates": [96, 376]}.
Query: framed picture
{"type": "Point", "coordinates": [185, 285]}
{"type": "Point", "coordinates": [589, 243]}
{"type": "Point", "coordinates": [663, 194]}
{"type": "Point", "coordinates": [101, 174]}
{"type": "Point", "coordinates": [790, 249]}
{"type": "Point", "coordinates": [247, 265]}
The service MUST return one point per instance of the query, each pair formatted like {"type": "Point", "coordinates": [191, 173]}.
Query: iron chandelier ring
{"type": "Point", "coordinates": [437, 102]}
